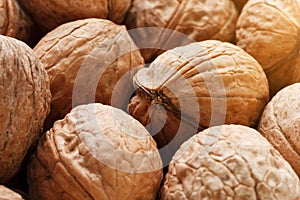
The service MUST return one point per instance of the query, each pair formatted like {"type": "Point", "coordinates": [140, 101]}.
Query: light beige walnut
{"type": "Point", "coordinates": [269, 31]}
{"type": "Point", "coordinates": [8, 194]}
{"type": "Point", "coordinates": [96, 152]}
{"type": "Point", "coordinates": [24, 103]}
{"type": "Point", "coordinates": [280, 124]}
{"type": "Point", "coordinates": [14, 22]}
{"type": "Point", "coordinates": [194, 19]}
{"type": "Point", "coordinates": [199, 85]}
{"type": "Point", "coordinates": [229, 162]}
{"type": "Point", "coordinates": [52, 13]}
{"type": "Point", "coordinates": [89, 60]}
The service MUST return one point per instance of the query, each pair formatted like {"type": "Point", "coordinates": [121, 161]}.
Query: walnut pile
{"type": "Point", "coordinates": [24, 103]}
{"type": "Point", "coordinates": [8, 194]}
{"type": "Point", "coordinates": [280, 124]}
{"type": "Point", "coordinates": [269, 31]}
{"type": "Point", "coordinates": [95, 152]}
{"type": "Point", "coordinates": [229, 162]}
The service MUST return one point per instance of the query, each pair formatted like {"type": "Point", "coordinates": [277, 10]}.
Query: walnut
{"type": "Point", "coordinates": [269, 31]}
{"type": "Point", "coordinates": [24, 103]}
{"type": "Point", "coordinates": [201, 84]}
{"type": "Point", "coordinates": [229, 162]}
{"type": "Point", "coordinates": [280, 124]}
{"type": "Point", "coordinates": [14, 22]}
{"type": "Point", "coordinates": [196, 20]}
{"type": "Point", "coordinates": [82, 54]}
{"type": "Point", "coordinates": [96, 152]}
{"type": "Point", "coordinates": [8, 194]}
{"type": "Point", "coordinates": [52, 13]}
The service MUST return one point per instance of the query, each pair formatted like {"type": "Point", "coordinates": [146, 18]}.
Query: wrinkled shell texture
{"type": "Point", "coordinates": [229, 162]}
{"type": "Point", "coordinates": [14, 22]}
{"type": "Point", "coordinates": [205, 83]}
{"type": "Point", "coordinates": [8, 194]}
{"type": "Point", "coordinates": [269, 31]}
{"type": "Point", "coordinates": [198, 20]}
{"type": "Point", "coordinates": [95, 152]}
{"type": "Point", "coordinates": [81, 54]}
{"type": "Point", "coordinates": [24, 103]}
{"type": "Point", "coordinates": [280, 124]}
{"type": "Point", "coordinates": [52, 13]}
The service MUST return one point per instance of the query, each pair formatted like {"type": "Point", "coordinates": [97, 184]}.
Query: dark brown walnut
{"type": "Point", "coordinates": [280, 124]}
{"type": "Point", "coordinates": [96, 152]}
{"type": "Point", "coordinates": [14, 22]}
{"type": "Point", "coordinates": [195, 20]}
{"type": "Point", "coordinates": [52, 13]}
{"type": "Point", "coordinates": [199, 85]}
{"type": "Point", "coordinates": [90, 60]}
{"type": "Point", "coordinates": [24, 103]}
{"type": "Point", "coordinates": [8, 194]}
{"type": "Point", "coordinates": [269, 31]}
{"type": "Point", "coordinates": [229, 162]}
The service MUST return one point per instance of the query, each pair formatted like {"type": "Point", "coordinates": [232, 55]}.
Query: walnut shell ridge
{"type": "Point", "coordinates": [8, 194]}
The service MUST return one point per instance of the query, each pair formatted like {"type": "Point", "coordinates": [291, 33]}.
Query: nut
{"type": "Point", "coordinates": [95, 152]}
{"type": "Point", "coordinates": [8, 194]}
{"type": "Point", "coordinates": [52, 13]}
{"type": "Point", "coordinates": [198, 20]}
{"type": "Point", "coordinates": [14, 22]}
{"type": "Point", "coordinates": [229, 162]}
{"type": "Point", "coordinates": [24, 103]}
{"type": "Point", "coordinates": [82, 54]}
{"type": "Point", "coordinates": [280, 124]}
{"type": "Point", "coordinates": [269, 31]}
{"type": "Point", "coordinates": [224, 82]}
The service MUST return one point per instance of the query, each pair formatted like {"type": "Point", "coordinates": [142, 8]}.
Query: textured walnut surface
{"type": "Point", "coordinates": [14, 22]}
{"type": "Point", "coordinates": [52, 13]}
{"type": "Point", "coordinates": [85, 60]}
{"type": "Point", "coordinates": [198, 20]}
{"type": "Point", "coordinates": [24, 103]}
{"type": "Point", "coordinates": [280, 124]}
{"type": "Point", "coordinates": [269, 31]}
{"type": "Point", "coordinates": [229, 162]}
{"type": "Point", "coordinates": [96, 152]}
{"type": "Point", "coordinates": [8, 194]}
{"type": "Point", "coordinates": [205, 83]}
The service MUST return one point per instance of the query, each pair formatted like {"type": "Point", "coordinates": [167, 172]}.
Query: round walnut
{"type": "Point", "coordinates": [89, 60]}
{"type": "Point", "coordinates": [96, 152]}
{"type": "Point", "coordinates": [8, 194]}
{"type": "Point", "coordinates": [269, 31]}
{"type": "Point", "coordinates": [24, 103]}
{"type": "Point", "coordinates": [14, 22]}
{"type": "Point", "coordinates": [280, 124]}
{"type": "Point", "coordinates": [229, 162]}
{"type": "Point", "coordinates": [196, 20]}
{"type": "Point", "coordinates": [52, 13]}
{"type": "Point", "coordinates": [201, 84]}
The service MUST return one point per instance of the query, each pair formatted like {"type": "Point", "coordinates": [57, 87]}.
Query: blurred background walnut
{"type": "Point", "coordinates": [8, 194]}
{"type": "Point", "coordinates": [269, 31]}
{"type": "Point", "coordinates": [52, 13]}
{"type": "Point", "coordinates": [196, 20]}
{"type": "Point", "coordinates": [280, 124]}
{"type": "Point", "coordinates": [24, 103]}
{"type": "Point", "coordinates": [229, 162]}
{"type": "Point", "coordinates": [96, 152]}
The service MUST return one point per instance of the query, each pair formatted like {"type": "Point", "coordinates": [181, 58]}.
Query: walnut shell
{"type": "Point", "coordinates": [96, 152]}
{"type": "Point", "coordinates": [269, 31]}
{"type": "Point", "coordinates": [229, 162]}
{"type": "Point", "coordinates": [14, 22]}
{"type": "Point", "coordinates": [82, 54]}
{"type": "Point", "coordinates": [202, 84]}
{"type": "Point", "coordinates": [280, 124]}
{"type": "Point", "coordinates": [197, 20]}
{"type": "Point", "coordinates": [8, 194]}
{"type": "Point", "coordinates": [52, 13]}
{"type": "Point", "coordinates": [24, 103]}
